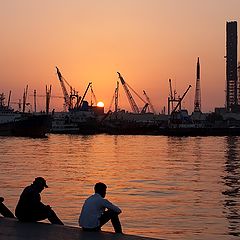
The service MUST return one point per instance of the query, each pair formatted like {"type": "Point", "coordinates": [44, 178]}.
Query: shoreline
{"type": "Point", "coordinates": [12, 229]}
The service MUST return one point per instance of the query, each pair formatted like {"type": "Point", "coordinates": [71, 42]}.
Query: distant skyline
{"type": "Point", "coordinates": [147, 41]}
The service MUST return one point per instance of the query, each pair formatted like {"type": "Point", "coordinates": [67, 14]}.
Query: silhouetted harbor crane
{"type": "Point", "coordinates": [180, 100]}
{"type": "Point", "coordinates": [68, 98]}
{"type": "Point", "coordinates": [130, 98]}
{"type": "Point", "coordinates": [149, 102]}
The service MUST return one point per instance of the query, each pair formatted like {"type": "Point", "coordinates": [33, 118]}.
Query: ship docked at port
{"type": "Point", "coordinates": [80, 117]}
{"type": "Point", "coordinates": [24, 124]}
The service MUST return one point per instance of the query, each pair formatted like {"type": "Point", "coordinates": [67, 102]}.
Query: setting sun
{"type": "Point", "coordinates": [100, 104]}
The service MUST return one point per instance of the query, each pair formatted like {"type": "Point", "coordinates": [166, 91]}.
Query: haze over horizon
{"type": "Point", "coordinates": [147, 41]}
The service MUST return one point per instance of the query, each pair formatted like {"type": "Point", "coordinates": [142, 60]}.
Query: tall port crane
{"type": "Point", "coordinates": [129, 95]}
{"type": "Point", "coordinates": [68, 99]}
{"type": "Point", "coordinates": [132, 102]}
{"type": "Point", "coordinates": [65, 93]}
{"type": "Point", "coordinates": [149, 102]}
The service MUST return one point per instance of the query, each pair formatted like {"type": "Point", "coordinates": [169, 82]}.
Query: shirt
{"type": "Point", "coordinates": [29, 202]}
{"type": "Point", "coordinates": [93, 208]}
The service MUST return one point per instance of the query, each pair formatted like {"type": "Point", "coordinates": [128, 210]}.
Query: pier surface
{"type": "Point", "coordinates": [12, 229]}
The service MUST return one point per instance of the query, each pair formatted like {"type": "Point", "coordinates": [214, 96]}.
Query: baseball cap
{"type": "Point", "coordinates": [41, 180]}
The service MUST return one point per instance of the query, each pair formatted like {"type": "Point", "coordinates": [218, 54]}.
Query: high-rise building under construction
{"type": "Point", "coordinates": [231, 66]}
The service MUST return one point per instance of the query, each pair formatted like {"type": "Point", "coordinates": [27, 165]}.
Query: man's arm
{"type": "Point", "coordinates": [107, 204]}
{"type": "Point", "coordinates": [34, 199]}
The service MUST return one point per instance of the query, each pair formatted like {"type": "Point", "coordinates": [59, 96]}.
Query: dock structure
{"type": "Point", "coordinates": [12, 229]}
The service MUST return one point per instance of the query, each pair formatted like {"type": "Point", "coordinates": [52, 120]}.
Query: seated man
{"type": "Point", "coordinates": [4, 210]}
{"type": "Point", "coordinates": [30, 208]}
{"type": "Point", "coordinates": [93, 215]}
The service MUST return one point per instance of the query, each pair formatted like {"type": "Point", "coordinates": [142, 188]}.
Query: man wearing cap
{"type": "Point", "coordinates": [30, 208]}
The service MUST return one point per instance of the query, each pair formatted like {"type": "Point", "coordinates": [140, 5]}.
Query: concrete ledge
{"type": "Point", "coordinates": [12, 229]}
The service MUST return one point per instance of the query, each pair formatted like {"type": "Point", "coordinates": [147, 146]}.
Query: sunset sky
{"type": "Point", "coordinates": [147, 41]}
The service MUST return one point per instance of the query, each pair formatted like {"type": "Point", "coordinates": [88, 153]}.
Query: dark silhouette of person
{"type": "Point", "coordinates": [97, 211]}
{"type": "Point", "coordinates": [30, 208]}
{"type": "Point", "coordinates": [4, 210]}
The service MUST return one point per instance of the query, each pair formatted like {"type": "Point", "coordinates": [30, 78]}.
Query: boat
{"type": "Point", "coordinates": [191, 131]}
{"type": "Point", "coordinates": [127, 123]}
{"type": "Point", "coordinates": [74, 122]}
{"type": "Point", "coordinates": [61, 124]}
{"type": "Point", "coordinates": [16, 123]}
{"type": "Point", "coordinates": [79, 117]}
{"type": "Point", "coordinates": [182, 124]}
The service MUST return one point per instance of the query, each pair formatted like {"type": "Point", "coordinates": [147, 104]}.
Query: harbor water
{"type": "Point", "coordinates": [167, 187]}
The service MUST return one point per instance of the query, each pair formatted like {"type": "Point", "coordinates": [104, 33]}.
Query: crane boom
{"type": "Point", "coordinates": [145, 108]}
{"type": "Point", "coordinates": [116, 94]}
{"type": "Point", "coordinates": [171, 92]}
{"type": "Point", "coordinates": [9, 98]}
{"type": "Point", "coordinates": [136, 93]}
{"type": "Point", "coordinates": [180, 100]}
{"type": "Point", "coordinates": [129, 95]}
{"type": "Point", "coordinates": [149, 102]}
{"type": "Point", "coordinates": [111, 103]}
{"type": "Point", "coordinates": [65, 93]}
{"type": "Point", "coordinates": [115, 99]}
{"type": "Point", "coordinates": [93, 95]}
{"type": "Point", "coordinates": [89, 84]}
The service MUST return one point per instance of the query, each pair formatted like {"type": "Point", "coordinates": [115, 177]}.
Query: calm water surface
{"type": "Point", "coordinates": [167, 187]}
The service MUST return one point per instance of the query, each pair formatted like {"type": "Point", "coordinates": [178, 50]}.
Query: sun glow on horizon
{"type": "Point", "coordinates": [100, 104]}
{"type": "Point", "coordinates": [149, 44]}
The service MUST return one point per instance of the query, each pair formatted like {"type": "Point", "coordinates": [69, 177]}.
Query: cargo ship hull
{"type": "Point", "coordinates": [27, 125]}
{"type": "Point", "coordinates": [203, 131]}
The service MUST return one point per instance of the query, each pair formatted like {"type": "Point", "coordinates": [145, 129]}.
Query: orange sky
{"type": "Point", "coordinates": [147, 41]}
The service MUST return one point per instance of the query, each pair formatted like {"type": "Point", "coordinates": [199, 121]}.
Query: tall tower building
{"type": "Point", "coordinates": [231, 65]}
{"type": "Point", "coordinates": [197, 101]}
